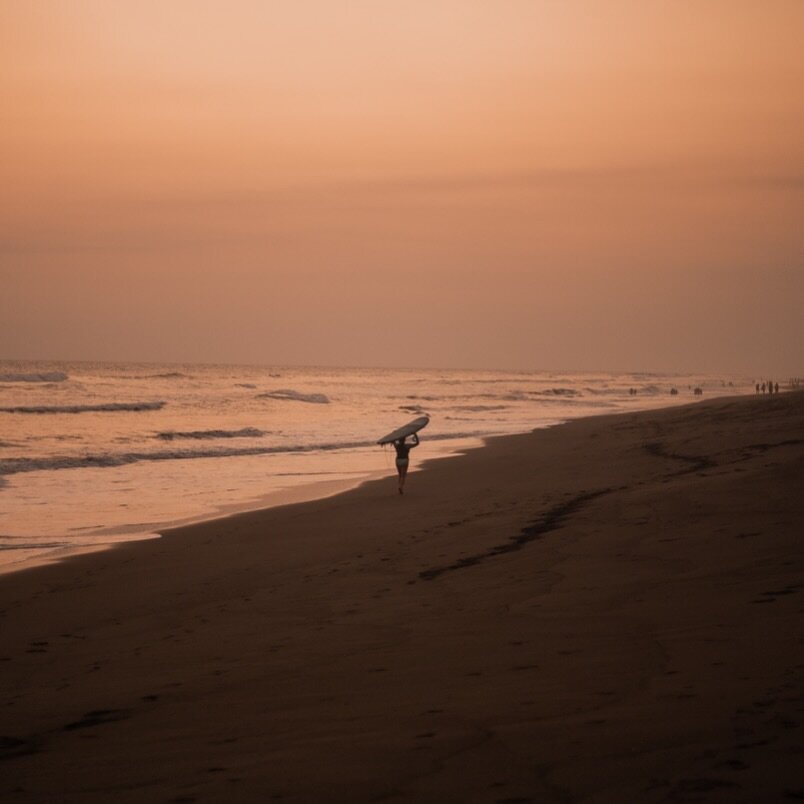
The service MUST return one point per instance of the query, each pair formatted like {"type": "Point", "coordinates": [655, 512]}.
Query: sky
{"type": "Point", "coordinates": [541, 184]}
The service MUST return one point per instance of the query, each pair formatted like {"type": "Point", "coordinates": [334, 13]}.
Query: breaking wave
{"type": "Point", "coordinates": [245, 432]}
{"type": "Point", "coordinates": [287, 394]}
{"type": "Point", "coordinates": [11, 466]}
{"type": "Point", "coordinates": [45, 376]}
{"type": "Point", "coordinates": [104, 407]}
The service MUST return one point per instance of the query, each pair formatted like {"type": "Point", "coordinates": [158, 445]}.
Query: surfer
{"type": "Point", "coordinates": [402, 448]}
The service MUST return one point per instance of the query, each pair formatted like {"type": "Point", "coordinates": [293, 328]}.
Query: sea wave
{"type": "Point", "coordinates": [44, 376]}
{"type": "Point", "coordinates": [163, 375]}
{"type": "Point", "coordinates": [104, 407]}
{"type": "Point", "coordinates": [557, 392]}
{"type": "Point", "coordinates": [12, 466]}
{"type": "Point", "coordinates": [649, 390]}
{"type": "Point", "coordinates": [465, 434]}
{"type": "Point", "coordinates": [287, 394]}
{"type": "Point", "coordinates": [513, 395]}
{"type": "Point", "coordinates": [412, 408]}
{"type": "Point", "coordinates": [245, 432]}
{"type": "Point", "coordinates": [543, 395]}
{"type": "Point", "coordinates": [480, 408]}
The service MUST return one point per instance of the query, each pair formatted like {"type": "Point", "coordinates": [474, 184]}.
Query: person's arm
{"type": "Point", "coordinates": [416, 440]}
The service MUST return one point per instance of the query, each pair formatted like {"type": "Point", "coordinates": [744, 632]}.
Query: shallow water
{"type": "Point", "coordinates": [94, 453]}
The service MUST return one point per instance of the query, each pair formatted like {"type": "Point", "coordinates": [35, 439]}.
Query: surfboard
{"type": "Point", "coordinates": [409, 429]}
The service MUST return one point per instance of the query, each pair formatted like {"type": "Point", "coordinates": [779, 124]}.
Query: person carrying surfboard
{"type": "Point", "coordinates": [403, 448]}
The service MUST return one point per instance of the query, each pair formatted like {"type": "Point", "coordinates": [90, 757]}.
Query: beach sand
{"type": "Point", "coordinates": [606, 611]}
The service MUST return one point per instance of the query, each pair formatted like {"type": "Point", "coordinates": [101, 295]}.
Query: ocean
{"type": "Point", "coordinates": [96, 453]}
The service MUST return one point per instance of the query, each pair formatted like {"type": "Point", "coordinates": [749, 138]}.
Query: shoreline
{"type": "Point", "coordinates": [293, 495]}
{"type": "Point", "coordinates": [568, 614]}
{"type": "Point", "coordinates": [290, 495]}
{"type": "Point", "coordinates": [215, 445]}
{"type": "Point", "coordinates": [43, 550]}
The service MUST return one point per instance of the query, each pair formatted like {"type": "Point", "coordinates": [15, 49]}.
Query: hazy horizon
{"type": "Point", "coordinates": [578, 186]}
{"type": "Point", "coordinates": [567, 371]}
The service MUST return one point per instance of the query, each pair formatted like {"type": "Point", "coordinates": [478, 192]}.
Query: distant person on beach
{"type": "Point", "coordinates": [776, 389]}
{"type": "Point", "coordinates": [403, 447]}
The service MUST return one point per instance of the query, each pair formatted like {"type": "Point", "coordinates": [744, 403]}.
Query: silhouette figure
{"type": "Point", "coordinates": [403, 449]}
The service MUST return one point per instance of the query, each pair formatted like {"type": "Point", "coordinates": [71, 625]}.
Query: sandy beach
{"type": "Point", "coordinates": [606, 611]}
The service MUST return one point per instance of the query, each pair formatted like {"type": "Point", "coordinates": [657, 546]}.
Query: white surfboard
{"type": "Point", "coordinates": [409, 429]}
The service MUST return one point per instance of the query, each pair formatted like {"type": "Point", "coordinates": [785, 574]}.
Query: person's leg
{"type": "Point", "coordinates": [403, 470]}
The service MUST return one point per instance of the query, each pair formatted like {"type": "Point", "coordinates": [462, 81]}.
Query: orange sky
{"type": "Point", "coordinates": [610, 184]}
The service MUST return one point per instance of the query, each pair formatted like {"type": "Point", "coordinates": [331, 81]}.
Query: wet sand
{"type": "Point", "coordinates": [607, 611]}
